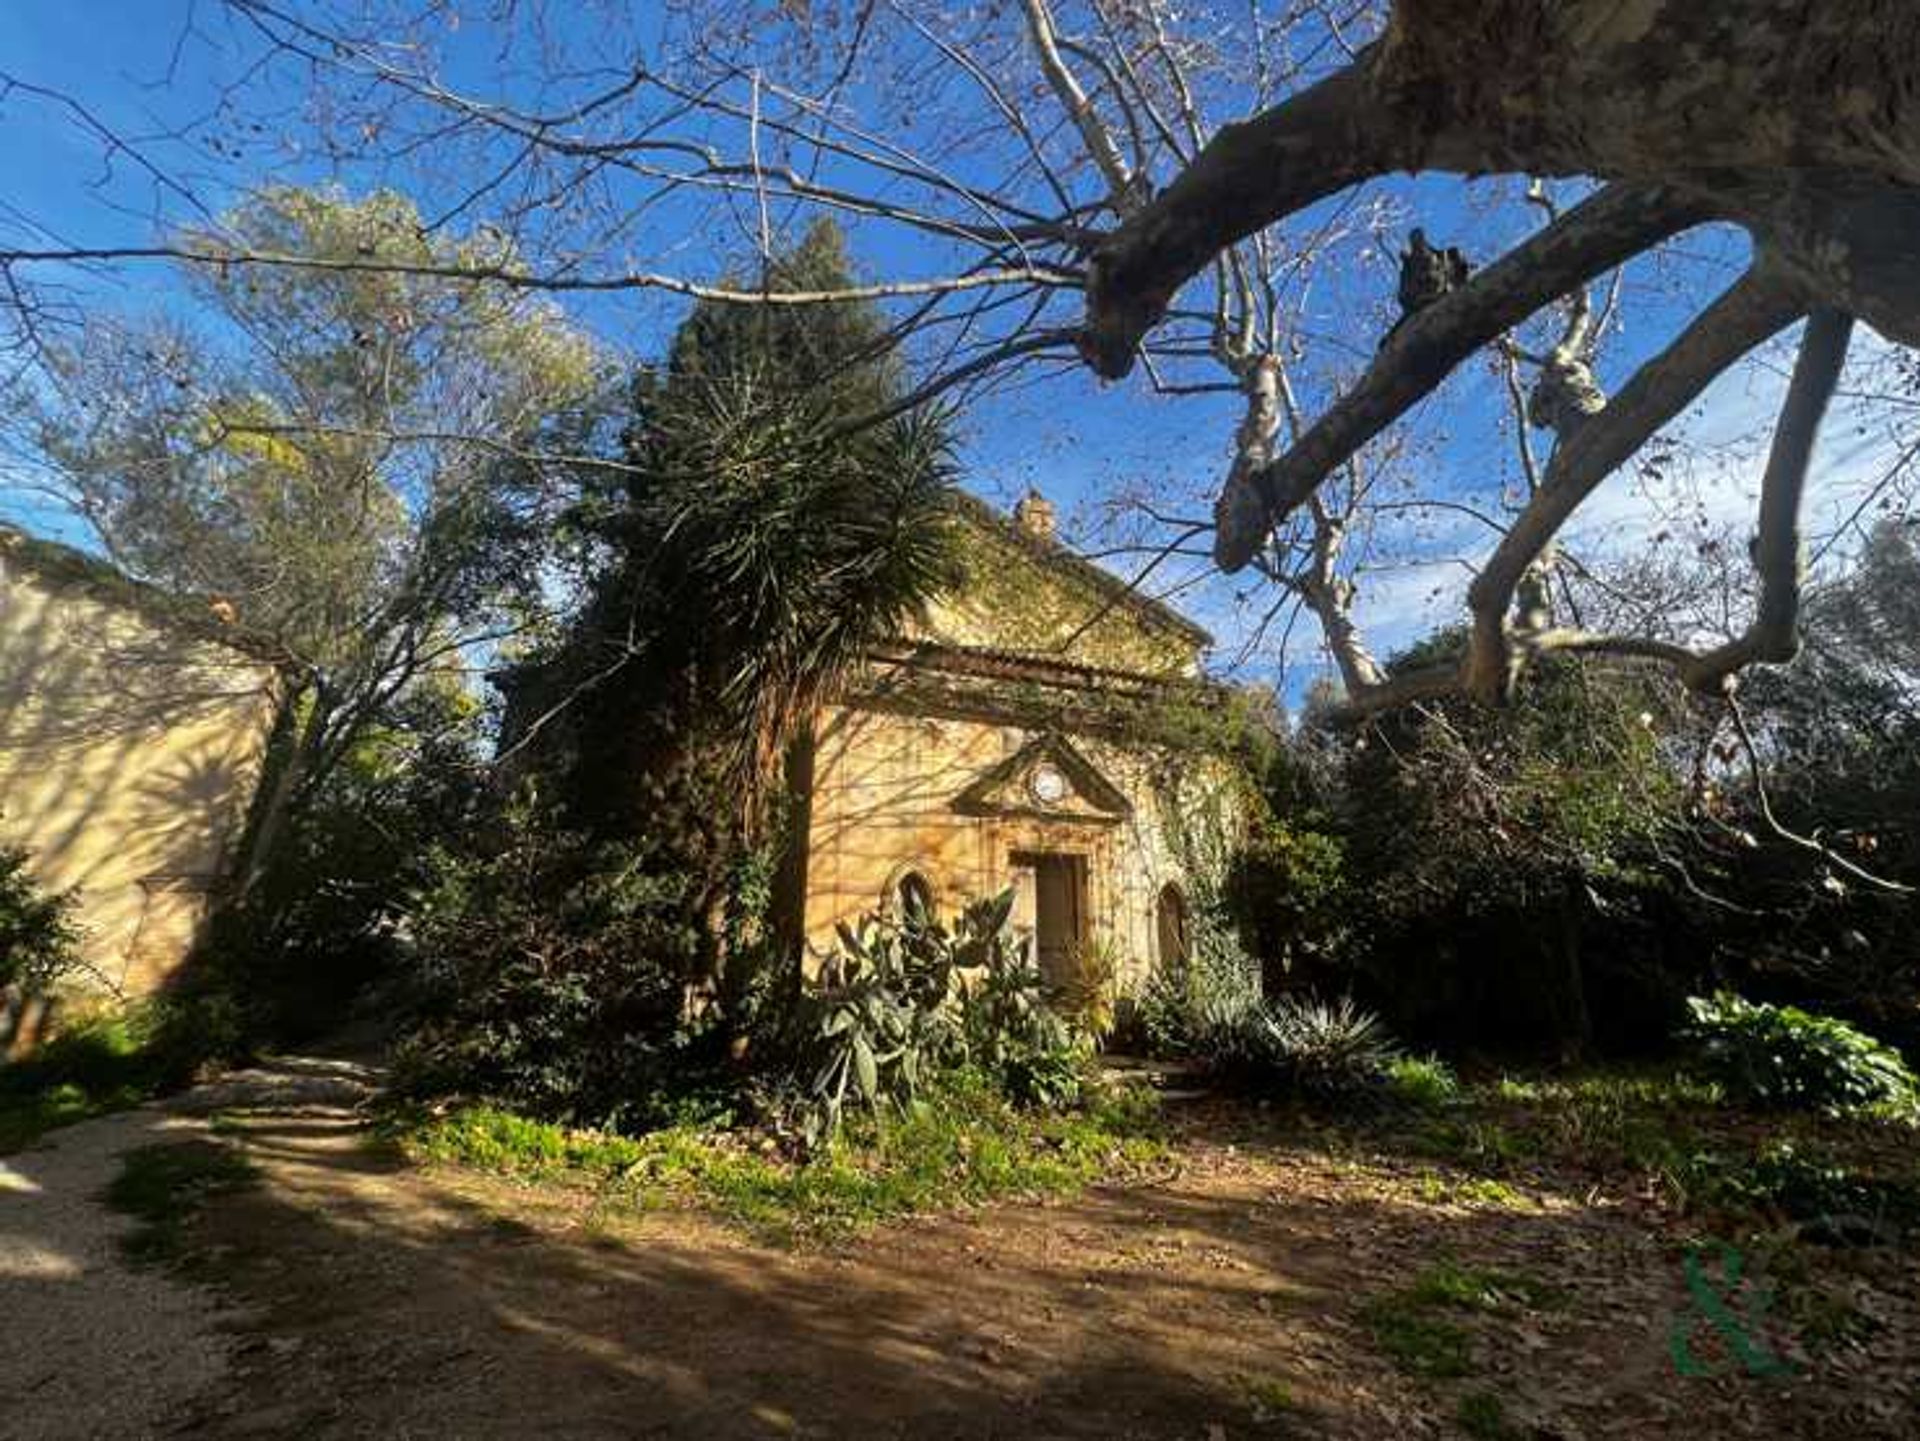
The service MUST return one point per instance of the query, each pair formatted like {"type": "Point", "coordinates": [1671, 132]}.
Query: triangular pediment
{"type": "Point", "coordinates": [1047, 777]}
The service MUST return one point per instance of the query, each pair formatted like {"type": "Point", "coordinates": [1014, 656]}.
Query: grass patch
{"type": "Point", "coordinates": [1422, 1082]}
{"type": "Point", "coordinates": [163, 1186]}
{"type": "Point", "coordinates": [111, 1063]}
{"type": "Point", "coordinates": [1437, 1190]}
{"type": "Point", "coordinates": [24, 1119]}
{"type": "Point", "coordinates": [963, 1145]}
{"type": "Point", "coordinates": [1269, 1398]}
{"type": "Point", "coordinates": [1483, 1415]}
{"type": "Point", "coordinates": [1413, 1328]}
{"type": "Point", "coordinates": [1665, 1132]}
{"type": "Point", "coordinates": [81, 1073]}
{"type": "Point", "coordinates": [1475, 1288]}
{"type": "Point", "coordinates": [1416, 1340]}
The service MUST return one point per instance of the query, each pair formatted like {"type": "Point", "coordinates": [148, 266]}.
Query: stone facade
{"type": "Point", "coordinates": [985, 750]}
{"type": "Point", "coordinates": [132, 729]}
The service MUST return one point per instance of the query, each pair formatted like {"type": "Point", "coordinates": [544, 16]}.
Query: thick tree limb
{"type": "Point", "coordinates": [1853, 241]}
{"type": "Point", "coordinates": [1249, 175]}
{"type": "Point", "coordinates": [1756, 307]}
{"type": "Point", "coordinates": [1774, 635]}
{"type": "Point", "coordinates": [1751, 310]}
{"type": "Point", "coordinates": [1594, 236]}
{"type": "Point", "coordinates": [1799, 118]}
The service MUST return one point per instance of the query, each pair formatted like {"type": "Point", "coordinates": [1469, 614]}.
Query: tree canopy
{"type": "Point", "coordinates": [337, 458]}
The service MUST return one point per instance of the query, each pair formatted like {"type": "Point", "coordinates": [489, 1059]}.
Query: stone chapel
{"type": "Point", "coordinates": [989, 748]}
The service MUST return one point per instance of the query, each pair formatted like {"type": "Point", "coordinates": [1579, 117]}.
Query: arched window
{"type": "Point", "coordinates": [913, 896]}
{"type": "Point", "coordinates": [1170, 926]}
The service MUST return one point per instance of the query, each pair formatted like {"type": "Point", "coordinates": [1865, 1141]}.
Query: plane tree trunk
{"type": "Point", "coordinates": [1798, 119]}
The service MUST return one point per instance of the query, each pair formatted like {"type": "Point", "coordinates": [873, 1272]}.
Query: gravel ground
{"type": "Point", "coordinates": [90, 1345]}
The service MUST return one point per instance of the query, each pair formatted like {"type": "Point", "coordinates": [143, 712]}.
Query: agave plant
{"type": "Point", "coordinates": [1326, 1048]}
{"type": "Point", "coordinates": [903, 998]}
{"type": "Point", "coordinates": [885, 1022]}
{"type": "Point", "coordinates": [1087, 995]}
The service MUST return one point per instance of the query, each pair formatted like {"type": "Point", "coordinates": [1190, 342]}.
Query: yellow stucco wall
{"type": "Point", "coordinates": [129, 752]}
{"type": "Point", "coordinates": [1011, 598]}
{"type": "Point", "coordinates": [886, 775]}
{"type": "Point", "coordinates": [883, 803]}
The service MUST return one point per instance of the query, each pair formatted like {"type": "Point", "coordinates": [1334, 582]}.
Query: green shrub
{"type": "Point", "coordinates": [1425, 1082]}
{"type": "Point", "coordinates": [1806, 1185]}
{"type": "Point", "coordinates": [1215, 1013]}
{"type": "Point", "coordinates": [37, 936]}
{"type": "Point", "coordinates": [1779, 1056]}
{"type": "Point", "coordinates": [1152, 1019]}
{"type": "Point", "coordinates": [114, 1060]}
{"type": "Point", "coordinates": [554, 977]}
{"type": "Point", "coordinates": [1208, 1009]}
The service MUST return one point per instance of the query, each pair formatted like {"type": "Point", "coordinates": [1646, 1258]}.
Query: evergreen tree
{"type": "Point", "coordinates": [763, 538]}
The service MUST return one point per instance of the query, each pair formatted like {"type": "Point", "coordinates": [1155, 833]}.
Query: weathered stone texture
{"type": "Point", "coordinates": [947, 790]}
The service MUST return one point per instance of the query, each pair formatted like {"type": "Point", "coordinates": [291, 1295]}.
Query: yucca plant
{"type": "Point", "coordinates": [1086, 995]}
{"type": "Point", "coordinates": [1328, 1048]}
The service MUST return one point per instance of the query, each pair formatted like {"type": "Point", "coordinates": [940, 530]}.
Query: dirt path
{"type": "Point", "coordinates": [368, 1298]}
{"type": "Point", "coordinates": [91, 1344]}
{"type": "Point", "coordinates": [401, 1302]}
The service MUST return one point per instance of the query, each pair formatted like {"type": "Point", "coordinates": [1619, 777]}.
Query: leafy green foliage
{"type": "Point", "coordinates": [37, 936]}
{"type": "Point", "coordinates": [1499, 880]}
{"type": "Point", "coordinates": [1803, 1183]}
{"type": "Point", "coordinates": [883, 1023]}
{"type": "Point", "coordinates": [287, 458]}
{"type": "Point", "coordinates": [1424, 1082]}
{"type": "Point", "coordinates": [901, 1001]}
{"type": "Point", "coordinates": [1087, 994]}
{"type": "Point", "coordinates": [324, 925]}
{"type": "Point", "coordinates": [1674, 1137]}
{"type": "Point", "coordinates": [761, 538]}
{"type": "Point", "coordinates": [1784, 1057]}
{"type": "Point", "coordinates": [1326, 1048]}
{"type": "Point", "coordinates": [114, 1060]}
{"type": "Point", "coordinates": [963, 1144]}
{"type": "Point", "coordinates": [1288, 887]}
{"type": "Point", "coordinates": [1215, 1012]}
{"type": "Point", "coordinates": [754, 541]}
{"type": "Point", "coordinates": [1207, 1008]}
{"type": "Point", "coordinates": [1837, 735]}
{"type": "Point", "coordinates": [554, 975]}
{"type": "Point", "coordinates": [339, 458]}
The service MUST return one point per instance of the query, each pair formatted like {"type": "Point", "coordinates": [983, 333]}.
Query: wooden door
{"type": "Point", "coordinates": [1059, 910]}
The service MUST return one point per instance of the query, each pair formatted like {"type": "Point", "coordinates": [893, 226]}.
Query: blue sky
{"type": "Point", "coordinates": [151, 67]}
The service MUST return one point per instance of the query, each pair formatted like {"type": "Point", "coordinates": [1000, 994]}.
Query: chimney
{"type": "Point", "coordinates": [1034, 515]}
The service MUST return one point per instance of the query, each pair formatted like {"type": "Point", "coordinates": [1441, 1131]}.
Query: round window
{"type": "Point", "coordinates": [1049, 787]}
